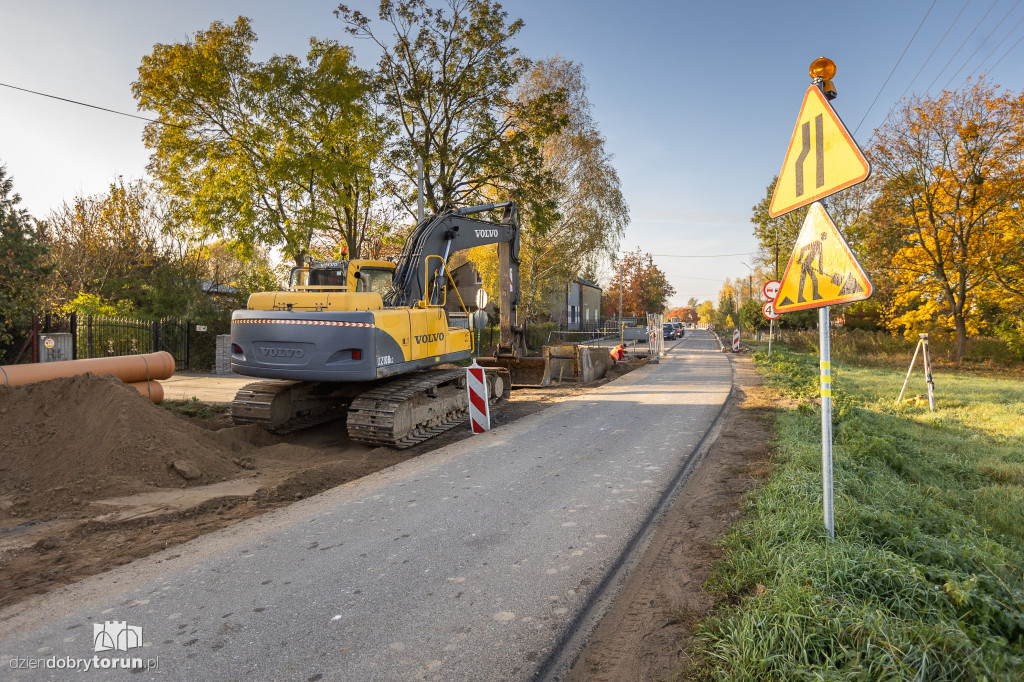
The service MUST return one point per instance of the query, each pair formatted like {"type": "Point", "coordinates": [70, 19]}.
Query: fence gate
{"type": "Point", "coordinates": [172, 335]}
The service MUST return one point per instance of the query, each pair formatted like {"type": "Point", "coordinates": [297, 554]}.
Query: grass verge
{"type": "Point", "coordinates": [194, 408]}
{"type": "Point", "coordinates": [925, 579]}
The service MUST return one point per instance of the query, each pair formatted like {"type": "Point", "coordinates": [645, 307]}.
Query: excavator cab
{"type": "Point", "coordinates": [331, 278]}
{"type": "Point", "coordinates": [373, 277]}
{"type": "Point", "coordinates": [343, 275]}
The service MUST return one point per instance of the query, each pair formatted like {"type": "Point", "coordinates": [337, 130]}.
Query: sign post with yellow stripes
{"type": "Point", "coordinates": [822, 270]}
{"type": "Point", "coordinates": [826, 419]}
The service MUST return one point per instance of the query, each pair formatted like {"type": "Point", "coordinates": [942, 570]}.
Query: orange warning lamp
{"type": "Point", "coordinates": [825, 69]}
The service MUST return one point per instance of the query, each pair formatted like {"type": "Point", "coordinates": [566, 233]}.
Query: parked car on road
{"type": "Point", "coordinates": [668, 331]}
{"type": "Point", "coordinates": [678, 326]}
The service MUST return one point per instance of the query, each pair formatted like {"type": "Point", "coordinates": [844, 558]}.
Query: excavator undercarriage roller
{"type": "Point", "coordinates": [398, 413]}
{"type": "Point", "coordinates": [287, 406]}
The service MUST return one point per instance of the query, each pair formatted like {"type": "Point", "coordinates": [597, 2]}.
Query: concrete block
{"type": "Point", "coordinates": [223, 354]}
{"type": "Point", "coordinates": [594, 363]}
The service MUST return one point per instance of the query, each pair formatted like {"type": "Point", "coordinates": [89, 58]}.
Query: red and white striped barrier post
{"type": "Point", "coordinates": [736, 341]}
{"type": "Point", "coordinates": [476, 385]}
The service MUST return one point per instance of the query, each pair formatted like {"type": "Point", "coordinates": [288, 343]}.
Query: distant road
{"type": "Point", "coordinates": [476, 561]}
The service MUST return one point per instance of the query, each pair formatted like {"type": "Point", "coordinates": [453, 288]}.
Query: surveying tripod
{"type": "Point", "coordinates": [926, 357]}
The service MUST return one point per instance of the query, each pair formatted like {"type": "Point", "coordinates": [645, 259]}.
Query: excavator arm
{"type": "Point", "coordinates": [426, 253]}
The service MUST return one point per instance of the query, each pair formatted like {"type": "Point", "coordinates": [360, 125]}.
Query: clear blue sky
{"type": "Point", "coordinates": [697, 100]}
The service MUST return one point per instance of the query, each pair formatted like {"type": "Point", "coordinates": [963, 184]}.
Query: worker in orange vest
{"type": "Point", "coordinates": [617, 353]}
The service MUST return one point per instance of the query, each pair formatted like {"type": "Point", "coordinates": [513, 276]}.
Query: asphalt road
{"type": "Point", "coordinates": [477, 561]}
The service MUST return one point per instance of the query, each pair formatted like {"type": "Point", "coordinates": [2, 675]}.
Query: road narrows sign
{"type": "Point", "coordinates": [821, 160]}
{"type": "Point", "coordinates": [822, 270]}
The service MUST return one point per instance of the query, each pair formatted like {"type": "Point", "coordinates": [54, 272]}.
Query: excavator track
{"type": "Point", "coordinates": [408, 411]}
{"type": "Point", "coordinates": [398, 413]}
{"type": "Point", "coordinates": [287, 406]}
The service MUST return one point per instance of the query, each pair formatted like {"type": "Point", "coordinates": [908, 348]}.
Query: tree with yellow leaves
{"type": "Point", "coordinates": [948, 179]}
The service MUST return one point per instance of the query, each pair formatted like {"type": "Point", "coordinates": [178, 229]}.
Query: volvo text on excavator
{"type": "Point", "coordinates": [365, 337]}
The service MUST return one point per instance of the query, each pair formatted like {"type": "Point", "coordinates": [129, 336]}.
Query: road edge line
{"type": "Point", "coordinates": [574, 639]}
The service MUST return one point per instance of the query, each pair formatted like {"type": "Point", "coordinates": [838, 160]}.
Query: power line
{"type": "Point", "coordinates": [717, 255]}
{"type": "Point", "coordinates": [982, 44]}
{"type": "Point", "coordinates": [878, 94]}
{"type": "Point", "coordinates": [91, 106]}
{"type": "Point", "coordinates": [1012, 48]}
{"type": "Point", "coordinates": [706, 279]}
{"type": "Point", "coordinates": [992, 52]}
{"type": "Point", "coordinates": [950, 60]}
{"type": "Point", "coordinates": [941, 40]}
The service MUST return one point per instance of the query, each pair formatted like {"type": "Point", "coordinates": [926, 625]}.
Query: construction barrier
{"type": "Point", "coordinates": [476, 385]}
{"type": "Point", "coordinates": [736, 341]}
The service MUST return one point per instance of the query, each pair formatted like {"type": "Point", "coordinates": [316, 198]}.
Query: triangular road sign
{"type": "Point", "coordinates": [822, 270]}
{"type": "Point", "coordinates": [821, 160]}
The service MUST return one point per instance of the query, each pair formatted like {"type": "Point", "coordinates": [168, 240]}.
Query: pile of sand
{"type": "Point", "coordinates": [66, 441]}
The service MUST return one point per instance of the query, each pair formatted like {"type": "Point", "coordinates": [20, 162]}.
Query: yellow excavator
{"type": "Point", "coordinates": [363, 338]}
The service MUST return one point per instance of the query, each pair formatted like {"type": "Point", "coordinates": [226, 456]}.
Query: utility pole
{"type": "Point", "coordinates": [750, 281]}
{"type": "Point", "coordinates": [776, 278]}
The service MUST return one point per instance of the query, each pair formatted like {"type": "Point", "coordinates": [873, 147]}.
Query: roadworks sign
{"type": "Point", "coordinates": [822, 270]}
{"type": "Point", "coordinates": [822, 158]}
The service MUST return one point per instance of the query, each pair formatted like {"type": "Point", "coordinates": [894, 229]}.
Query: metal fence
{"type": "Point", "coordinates": [99, 336]}
{"type": "Point", "coordinates": [657, 337]}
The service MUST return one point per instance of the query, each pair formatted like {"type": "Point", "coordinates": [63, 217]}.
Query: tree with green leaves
{"type": "Point", "coordinates": [775, 236]}
{"type": "Point", "coordinates": [105, 245]}
{"type": "Point", "coordinates": [261, 153]}
{"type": "Point", "coordinates": [115, 253]}
{"type": "Point", "coordinates": [751, 316]}
{"type": "Point", "coordinates": [448, 76]}
{"type": "Point", "coordinates": [591, 212]}
{"type": "Point", "coordinates": [22, 259]}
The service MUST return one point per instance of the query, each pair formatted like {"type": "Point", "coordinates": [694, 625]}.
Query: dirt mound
{"type": "Point", "coordinates": [67, 441]}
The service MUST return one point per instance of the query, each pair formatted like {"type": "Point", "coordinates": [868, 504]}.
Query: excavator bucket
{"type": "Point", "coordinates": [557, 363]}
{"type": "Point", "coordinates": [528, 371]}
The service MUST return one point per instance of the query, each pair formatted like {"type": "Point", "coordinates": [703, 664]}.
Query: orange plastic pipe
{"type": "Point", "coordinates": [151, 389]}
{"type": "Point", "coordinates": [127, 368]}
